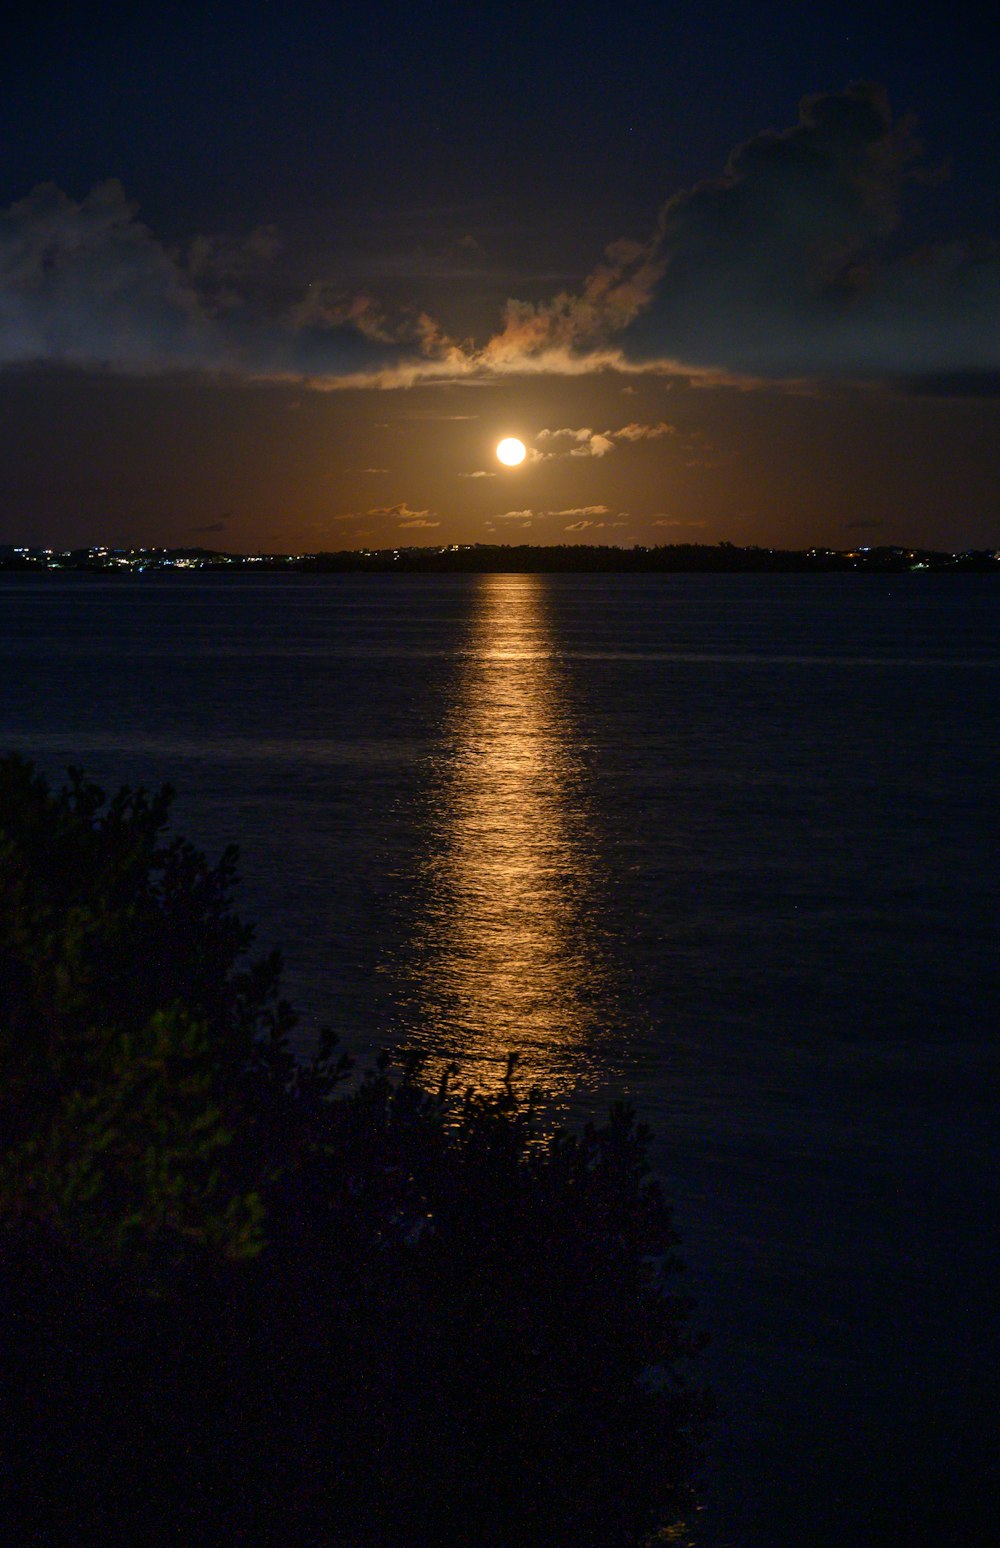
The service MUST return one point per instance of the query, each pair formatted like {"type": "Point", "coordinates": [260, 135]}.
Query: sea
{"type": "Point", "coordinates": [721, 846]}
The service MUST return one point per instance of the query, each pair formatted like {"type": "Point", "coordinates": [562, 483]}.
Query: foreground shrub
{"type": "Point", "coordinates": [247, 1299]}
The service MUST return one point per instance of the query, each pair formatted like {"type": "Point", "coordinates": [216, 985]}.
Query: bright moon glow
{"type": "Point", "coordinates": [511, 451]}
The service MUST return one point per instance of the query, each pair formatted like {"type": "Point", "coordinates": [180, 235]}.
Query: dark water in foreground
{"type": "Point", "coordinates": [722, 844]}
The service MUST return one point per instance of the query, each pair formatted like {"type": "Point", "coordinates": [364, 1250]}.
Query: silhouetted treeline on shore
{"type": "Point", "coordinates": [482, 558]}
{"type": "Point", "coordinates": [679, 558]}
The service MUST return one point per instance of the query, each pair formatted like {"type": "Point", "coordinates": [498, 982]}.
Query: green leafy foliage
{"type": "Point", "coordinates": [127, 1022]}
{"type": "Point", "coordinates": [252, 1299]}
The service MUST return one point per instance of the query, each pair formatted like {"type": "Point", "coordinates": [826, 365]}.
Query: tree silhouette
{"type": "Point", "coordinates": [248, 1297]}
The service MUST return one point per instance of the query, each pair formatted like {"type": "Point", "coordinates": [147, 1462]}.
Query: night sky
{"type": "Point", "coordinates": [281, 276]}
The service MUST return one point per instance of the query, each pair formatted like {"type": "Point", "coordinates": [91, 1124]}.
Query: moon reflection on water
{"type": "Point", "coordinates": [508, 954]}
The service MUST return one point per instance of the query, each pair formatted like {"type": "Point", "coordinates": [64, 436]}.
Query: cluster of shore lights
{"type": "Point", "coordinates": [511, 451]}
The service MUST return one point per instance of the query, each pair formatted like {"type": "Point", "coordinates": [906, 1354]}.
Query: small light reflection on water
{"type": "Point", "coordinates": [507, 952]}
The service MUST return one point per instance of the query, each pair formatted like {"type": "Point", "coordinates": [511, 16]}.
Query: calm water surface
{"type": "Point", "coordinates": [723, 844]}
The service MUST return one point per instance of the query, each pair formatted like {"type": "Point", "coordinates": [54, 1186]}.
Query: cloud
{"type": "Point", "coordinates": [86, 283]}
{"type": "Point", "coordinates": [785, 265]}
{"type": "Point", "coordinates": [636, 432]}
{"type": "Point", "coordinates": [584, 442]}
{"type": "Point", "coordinates": [227, 270]}
{"type": "Point", "coordinates": [433, 414]}
{"type": "Point", "coordinates": [671, 521]}
{"type": "Point", "coordinates": [572, 443]}
{"type": "Point", "coordinates": [479, 473]}
{"type": "Point", "coordinates": [580, 526]}
{"type": "Point", "coordinates": [611, 297]}
{"type": "Point", "coordinates": [373, 470]}
{"type": "Point", "coordinates": [213, 526]}
{"type": "Point", "coordinates": [587, 442]}
{"type": "Point", "coordinates": [575, 510]}
{"type": "Point", "coordinates": [404, 513]}
{"type": "Point", "coordinates": [400, 509]}
{"type": "Point", "coordinates": [791, 265]}
{"type": "Point", "coordinates": [564, 435]}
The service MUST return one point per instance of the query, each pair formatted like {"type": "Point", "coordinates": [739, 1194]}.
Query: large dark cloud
{"type": "Point", "coordinates": [792, 264]}
{"type": "Point", "coordinates": [86, 283]}
{"type": "Point", "coordinates": [789, 264]}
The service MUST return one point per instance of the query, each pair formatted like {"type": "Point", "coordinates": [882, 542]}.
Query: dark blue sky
{"type": "Point", "coordinates": [241, 114]}
{"type": "Point", "coordinates": [409, 197]}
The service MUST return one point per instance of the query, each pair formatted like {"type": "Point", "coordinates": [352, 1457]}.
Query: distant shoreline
{"type": "Point", "coordinates": [488, 558]}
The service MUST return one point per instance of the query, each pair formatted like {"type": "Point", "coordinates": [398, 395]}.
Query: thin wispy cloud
{"type": "Point", "coordinates": [431, 414]}
{"type": "Point", "coordinates": [575, 510]}
{"type": "Point", "coordinates": [635, 432]}
{"type": "Point", "coordinates": [582, 510]}
{"type": "Point", "coordinates": [401, 511]}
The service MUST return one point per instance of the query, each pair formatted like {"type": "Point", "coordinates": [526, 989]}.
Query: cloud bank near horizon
{"type": "Point", "coordinates": [788, 266]}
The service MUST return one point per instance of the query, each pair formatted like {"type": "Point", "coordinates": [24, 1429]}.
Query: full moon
{"type": "Point", "coordinates": [511, 451]}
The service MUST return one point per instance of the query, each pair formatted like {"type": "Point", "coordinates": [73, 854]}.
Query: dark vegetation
{"type": "Point", "coordinates": [245, 1299]}
{"type": "Point", "coordinates": [672, 558]}
{"type": "Point", "coordinates": [522, 558]}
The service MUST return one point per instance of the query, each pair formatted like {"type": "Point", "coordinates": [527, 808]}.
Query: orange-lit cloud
{"type": "Point", "coordinates": [400, 509]}
{"type": "Point", "coordinates": [610, 298]}
{"type": "Point", "coordinates": [636, 432]}
{"type": "Point", "coordinates": [588, 443]}
{"type": "Point", "coordinates": [582, 510]}
{"type": "Point", "coordinates": [585, 442]}
{"type": "Point", "coordinates": [574, 510]}
{"type": "Point", "coordinates": [403, 513]}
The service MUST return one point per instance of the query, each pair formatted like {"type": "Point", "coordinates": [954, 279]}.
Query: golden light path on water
{"type": "Point", "coordinates": [507, 950]}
